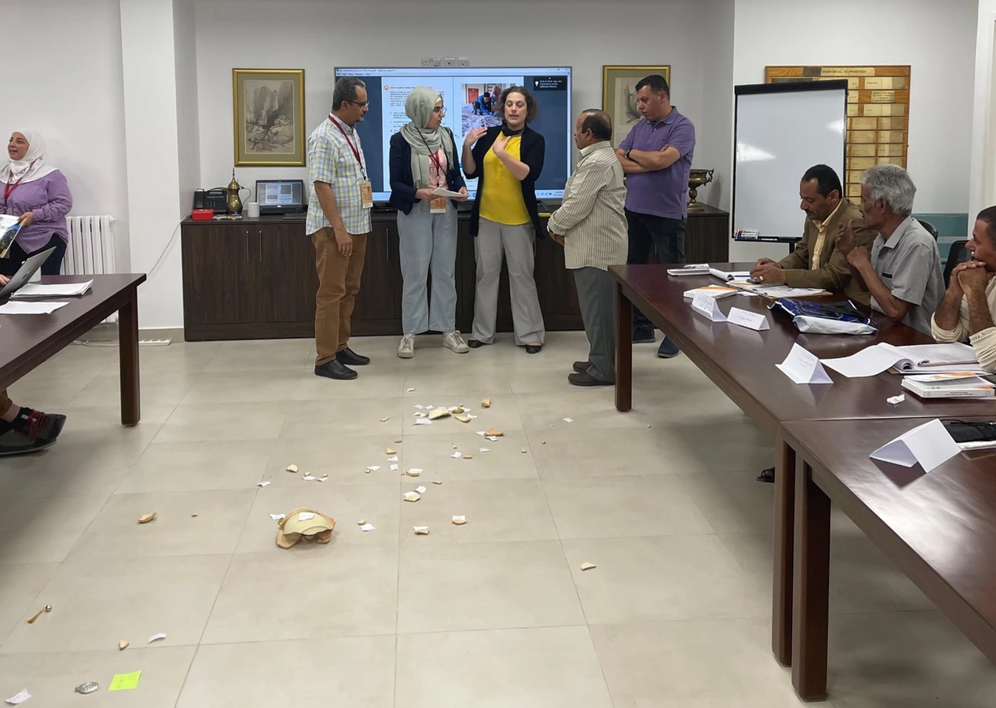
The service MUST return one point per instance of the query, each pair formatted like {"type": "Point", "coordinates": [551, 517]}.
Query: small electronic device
{"type": "Point", "coordinates": [280, 196]}
{"type": "Point", "coordinates": [215, 199]}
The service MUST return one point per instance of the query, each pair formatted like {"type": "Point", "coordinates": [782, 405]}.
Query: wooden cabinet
{"type": "Point", "coordinates": [256, 278]}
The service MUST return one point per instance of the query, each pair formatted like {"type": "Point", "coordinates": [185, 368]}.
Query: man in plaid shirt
{"type": "Point", "coordinates": [338, 223]}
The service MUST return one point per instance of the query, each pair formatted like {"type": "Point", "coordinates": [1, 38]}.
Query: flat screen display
{"type": "Point", "coordinates": [468, 97]}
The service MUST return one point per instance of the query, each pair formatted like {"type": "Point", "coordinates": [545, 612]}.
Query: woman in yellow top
{"type": "Point", "coordinates": [506, 161]}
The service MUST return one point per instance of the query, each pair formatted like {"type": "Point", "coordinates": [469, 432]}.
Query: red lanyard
{"type": "Point", "coordinates": [356, 153]}
{"type": "Point", "coordinates": [10, 186]}
{"type": "Point", "coordinates": [436, 161]}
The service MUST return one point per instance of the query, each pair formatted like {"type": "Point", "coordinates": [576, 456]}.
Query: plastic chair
{"type": "Point", "coordinates": [930, 228]}
{"type": "Point", "coordinates": [957, 254]}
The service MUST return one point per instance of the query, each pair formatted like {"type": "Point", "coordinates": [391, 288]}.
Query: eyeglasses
{"type": "Point", "coordinates": [357, 103]}
{"type": "Point", "coordinates": [439, 109]}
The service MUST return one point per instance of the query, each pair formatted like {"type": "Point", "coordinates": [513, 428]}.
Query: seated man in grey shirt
{"type": "Point", "coordinates": [903, 270]}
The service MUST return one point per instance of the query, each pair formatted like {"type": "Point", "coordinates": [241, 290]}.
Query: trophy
{"type": "Point", "coordinates": [696, 179]}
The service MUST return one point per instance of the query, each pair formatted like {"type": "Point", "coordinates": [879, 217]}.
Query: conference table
{"type": "Point", "coordinates": [939, 528]}
{"type": "Point", "coordinates": [741, 362]}
{"type": "Point", "coordinates": [27, 341]}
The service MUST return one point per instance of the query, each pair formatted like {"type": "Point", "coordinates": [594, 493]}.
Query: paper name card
{"type": "Point", "coordinates": [750, 320]}
{"type": "Point", "coordinates": [707, 307]}
{"type": "Point", "coordinates": [929, 444]}
{"type": "Point", "coordinates": [804, 368]}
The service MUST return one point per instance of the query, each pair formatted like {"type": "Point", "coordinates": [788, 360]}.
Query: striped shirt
{"type": "Point", "coordinates": [591, 218]}
{"type": "Point", "coordinates": [331, 160]}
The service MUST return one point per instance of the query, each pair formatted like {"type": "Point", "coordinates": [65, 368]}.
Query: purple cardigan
{"type": "Point", "coordinates": [49, 199]}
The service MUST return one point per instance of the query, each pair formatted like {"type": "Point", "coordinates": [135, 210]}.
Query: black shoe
{"type": "Point", "coordinates": [668, 349]}
{"type": "Point", "coordinates": [350, 358]}
{"type": "Point", "coordinates": [534, 348]}
{"type": "Point", "coordinates": [767, 476]}
{"type": "Point", "coordinates": [35, 424]}
{"type": "Point", "coordinates": [476, 343]}
{"type": "Point", "coordinates": [17, 442]}
{"type": "Point", "coordinates": [335, 369]}
{"type": "Point", "coordinates": [581, 366]}
{"type": "Point", "coordinates": [583, 378]}
{"type": "Point", "coordinates": [644, 336]}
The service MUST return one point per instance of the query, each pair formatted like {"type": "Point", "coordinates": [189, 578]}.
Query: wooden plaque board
{"type": "Point", "coordinates": [878, 103]}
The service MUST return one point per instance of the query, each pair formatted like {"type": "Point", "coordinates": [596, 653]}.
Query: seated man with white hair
{"type": "Point", "coordinates": [903, 270]}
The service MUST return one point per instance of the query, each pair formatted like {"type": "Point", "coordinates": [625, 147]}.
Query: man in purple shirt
{"type": "Point", "coordinates": [656, 157]}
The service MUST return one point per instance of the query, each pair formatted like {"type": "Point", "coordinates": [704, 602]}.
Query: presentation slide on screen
{"type": "Point", "coordinates": [470, 96]}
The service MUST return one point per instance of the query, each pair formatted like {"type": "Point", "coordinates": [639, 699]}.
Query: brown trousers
{"type": "Point", "coordinates": [338, 283]}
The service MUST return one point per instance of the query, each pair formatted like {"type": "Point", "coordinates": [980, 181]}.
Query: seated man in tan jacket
{"type": "Point", "coordinates": [969, 306]}
{"type": "Point", "coordinates": [815, 262]}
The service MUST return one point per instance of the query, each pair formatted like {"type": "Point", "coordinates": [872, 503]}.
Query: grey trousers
{"type": "Point", "coordinates": [428, 242]}
{"type": "Point", "coordinates": [597, 298]}
{"type": "Point", "coordinates": [517, 244]}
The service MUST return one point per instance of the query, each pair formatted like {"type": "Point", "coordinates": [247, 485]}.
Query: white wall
{"type": "Point", "coordinates": [936, 38]}
{"type": "Point", "coordinates": [70, 90]}
{"type": "Point", "coordinates": [983, 173]}
{"type": "Point", "coordinates": [317, 35]}
{"type": "Point", "coordinates": [187, 119]}
{"type": "Point", "coordinates": [715, 146]}
{"type": "Point", "coordinates": [152, 135]}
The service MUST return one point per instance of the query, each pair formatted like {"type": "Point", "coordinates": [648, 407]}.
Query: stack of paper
{"type": "Point", "coordinates": [690, 269]}
{"type": "Point", "coordinates": [36, 290]}
{"type": "Point", "coordinates": [920, 359]}
{"type": "Point", "coordinates": [729, 275]}
{"type": "Point", "coordinates": [777, 291]}
{"type": "Point", "coordinates": [714, 291]}
{"type": "Point", "coordinates": [31, 308]}
{"type": "Point", "coordinates": [962, 384]}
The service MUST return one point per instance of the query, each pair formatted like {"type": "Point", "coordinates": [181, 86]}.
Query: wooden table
{"type": "Point", "coordinates": [938, 528]}
{"type": "Point", "coordinates": [26, 341]}
{"type": "Point", "coordinates": [741, 362]}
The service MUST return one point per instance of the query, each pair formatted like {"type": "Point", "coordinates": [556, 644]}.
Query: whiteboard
{"type": "Point", "coordinates": [780, 131]}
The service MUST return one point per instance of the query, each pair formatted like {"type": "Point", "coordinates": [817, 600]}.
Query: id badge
{"type": "Point", "coordinates": [437, 205]}
{"type": "Point", "coordinates": [366, 191]}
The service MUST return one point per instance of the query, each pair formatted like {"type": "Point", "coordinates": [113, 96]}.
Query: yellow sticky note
{"type": "Point", "coordinates": [125, 682]}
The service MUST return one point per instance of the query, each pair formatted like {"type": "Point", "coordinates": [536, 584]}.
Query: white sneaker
{"type": "Point", "coordinates": [406, 350]}
{"type": "Point", "coordinates": [455, 342]}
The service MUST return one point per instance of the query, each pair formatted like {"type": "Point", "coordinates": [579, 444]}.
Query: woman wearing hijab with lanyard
{"type": "Point", "coordinates": [506, 160]}
{"type": "Point", "coordinates": [39, 195]}
{"type": "Point", "coordinates": [424, 157]}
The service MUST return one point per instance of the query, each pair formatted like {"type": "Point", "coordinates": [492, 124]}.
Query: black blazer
{"type": "Point", "coordinates": [402, 182]}
{"type": "Point", "coordinates": [532, 151]}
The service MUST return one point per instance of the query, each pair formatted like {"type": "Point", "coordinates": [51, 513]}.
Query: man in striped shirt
{"type": "Point", "coordinates": [591, 226]}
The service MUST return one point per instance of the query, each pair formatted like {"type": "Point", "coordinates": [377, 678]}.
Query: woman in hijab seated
{"type": "Point", "coordinates": [423, 158]}
{"type": "Point", "coordinates": [37, 193]}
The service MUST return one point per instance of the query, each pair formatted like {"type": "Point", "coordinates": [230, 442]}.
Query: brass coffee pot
{"type": "Point", "coordinates": [234, 201]}
{"type": "Point", "coordinates": [697, 178]}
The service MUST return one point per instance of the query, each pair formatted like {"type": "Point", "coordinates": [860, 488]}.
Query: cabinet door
{"type": "Point", "coordinates": [378, 305]}
{"type": "Point", "coordinates": [555, 286]}
{"type": "Point", "coordinates": [216, 275]}
{"type": "Point", "coordinates": [285, 280]}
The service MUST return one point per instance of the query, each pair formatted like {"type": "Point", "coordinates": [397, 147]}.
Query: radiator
{"type": "Point", "coordinates": [91, 246]}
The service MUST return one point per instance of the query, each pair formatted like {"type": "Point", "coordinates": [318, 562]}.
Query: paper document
{"type": "Point", "coordinates": [729, 275]}
{"type": "Point", "coordinates": [706, 305]}
{"type": "Point", "coordinates": [443, 192]}
{"type": "Point", "coordinates": [713, 291]}
{"type": "Point", "coordinates": [777, 291]}
{"type": "Point", "coordinates": [36, 290]}
{"type": "Point", "coordinates": [929, 358]}
{"type": "Point", "coordinates": [31, 308]}
{"type": "Point", "coordinates": [690, 269]}
{"type": "Point", "coordinates": [750, 320]}
{"type": "Point", "coordinates": [929, 444]}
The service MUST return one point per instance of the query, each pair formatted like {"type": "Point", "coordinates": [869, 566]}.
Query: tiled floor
{"type": "Point", "coordinates": [496, 613]}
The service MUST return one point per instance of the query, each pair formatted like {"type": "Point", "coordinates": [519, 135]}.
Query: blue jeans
{"type": "Point", "coordinates": [667, 236]}
{"type": "Point", "coordinates": [428, 242]}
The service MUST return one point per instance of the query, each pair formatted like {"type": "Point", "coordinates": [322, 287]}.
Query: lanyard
{"type": "Point", "coordinates": [11, 186]}
{"type": "Point", "coordinates": [356, 153]}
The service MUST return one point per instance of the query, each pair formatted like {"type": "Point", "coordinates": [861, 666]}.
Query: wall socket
{"type": "Point", "coordinates": [463, 61]}
{"type": "Point", "coordinates": [426, 61]}
{"type": "Point", "coordinates": [449, 61]}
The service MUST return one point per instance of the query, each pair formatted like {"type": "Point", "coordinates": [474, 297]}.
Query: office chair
{"type": "Point", "coordinates": [957, 254]}
{"type": "Point", "coordinates": [930, 228]}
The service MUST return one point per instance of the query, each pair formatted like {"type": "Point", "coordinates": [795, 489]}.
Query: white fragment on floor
{"type": "Point", "coordinates": [412, 496]}
{"type": "Point", "coordinates": [19, 698]}
{"type": "Point", "coordinates": [421, 530]}
{"type": "Point", "coordinates": [568, 420]}
{"type": "Point", "coordinates": [278, 517]}
{"type": "Point", "coordinates": [587, 566]}
{"type": "Point", "coordinates": [456, 455]}
{"type": "Point", "coordinates": [373, 468]}
{"type": "Point", "coordinates": [420, 490]}
{"type": "Point", "coordinates": [367, 527]}
{"type": "Point", "coordinates": [484, 449]}
{"type": "Point", "coordinates": [459, 520]}
{"type": "Point", "coordinates": [292, 468]}
{"type": "Point", "coordinates": [423, 421]}
{"type": "Point", "coordinates": [157, 637]}
{"type": "Point", "coordinates": [262, 484]}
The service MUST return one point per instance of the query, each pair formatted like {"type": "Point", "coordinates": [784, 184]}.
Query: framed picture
{"type": "Point", "coordinates": [269, 117]}
{"type": "Point", "coordinates": [619, 95]}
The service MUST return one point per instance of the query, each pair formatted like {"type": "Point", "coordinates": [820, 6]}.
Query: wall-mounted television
{"type": "Point", "coordinates": [462, 89]}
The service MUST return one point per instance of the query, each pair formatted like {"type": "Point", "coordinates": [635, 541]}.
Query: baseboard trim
{"type": "Point", "coordinates": [108, 332]}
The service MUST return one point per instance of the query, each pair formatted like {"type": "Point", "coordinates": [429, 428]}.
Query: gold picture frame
{"type": "Point", "coordinates": [268, 114]}
{"type": "Point", "coordinates": [619, 95]}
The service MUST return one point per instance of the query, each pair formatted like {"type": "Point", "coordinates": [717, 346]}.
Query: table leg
{"type": "Point", "coordinates": [781, 601]}
{"type": "Point", "coordinates": [624, 351]}
{"type": "Point", "coordinates": [131, 402]}
{"type": "Point", "coordinates": [811, 601]}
